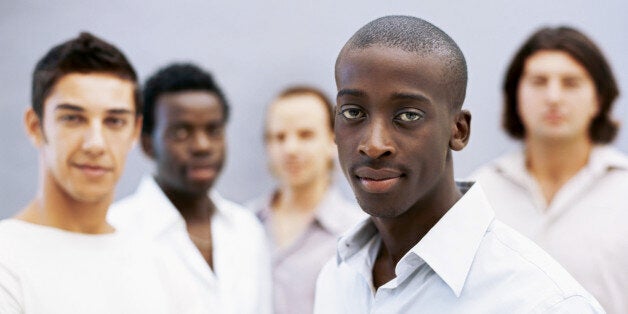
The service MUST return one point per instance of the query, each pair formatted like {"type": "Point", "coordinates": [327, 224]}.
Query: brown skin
{"type": "Point", "coordinates": [188, 145]}
{"type": "Point", "coordinates": [395, 130]}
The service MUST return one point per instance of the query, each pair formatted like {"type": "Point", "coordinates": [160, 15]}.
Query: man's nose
{"type": "Point", "coordinates": [376, 142]}
{"type": "Point", "coordinates": [201, 142]}
{"type": "Point", "coordinates": [554, 91]}
{"type": "Point", "coordinates": [94, 140]}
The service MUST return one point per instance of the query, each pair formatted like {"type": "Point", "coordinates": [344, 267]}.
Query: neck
{"type": "Point", "coordinates": [553, 163]}
{"type": "Point", "coordinates": [194, 207]}
{"type": "Point", "coordinates": [401, 233]}
{"type": "Point", "coordinates": [53, 207]}
{"type": "Point", "coordinates": [302, 198]}
{"type": "Point", "coordinates": [556, 161]}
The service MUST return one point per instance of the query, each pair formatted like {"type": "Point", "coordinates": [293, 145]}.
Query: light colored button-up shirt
{"type": "Point", "coordinates": [583, 228]}
{"type": "Point", "coordinates": [467, 263]}
{"type": "Point", "coordinates": [240, 281]}
{"type": "Point", "coordinates": [296, 267]}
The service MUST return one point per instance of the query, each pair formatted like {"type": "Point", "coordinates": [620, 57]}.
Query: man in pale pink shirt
{"type": "Point", "coordinates": [305, 215]}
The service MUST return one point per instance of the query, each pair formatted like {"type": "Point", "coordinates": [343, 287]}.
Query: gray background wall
{"type": "Point", "coordinates": [255, 48]}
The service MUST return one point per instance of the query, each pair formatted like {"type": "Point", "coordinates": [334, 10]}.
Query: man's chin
{"type": "Point", "coordinates": [199, 186]}
{"type": "Point", "coordinates": [92, 197]}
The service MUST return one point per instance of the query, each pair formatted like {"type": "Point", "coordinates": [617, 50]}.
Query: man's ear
{"type": "Point", "coordinates": [34, 128]}
{"type": "Point", "coordinates": [147, 145]}
{"type": "Point", "coordinates": [460, 130]}
{"type": "Point", "coordinates": [137, 130]}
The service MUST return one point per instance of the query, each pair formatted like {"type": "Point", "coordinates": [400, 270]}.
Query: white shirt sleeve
{"type": "Point", "coordinates": [10, 292]}
{"type": "Point", "coordinates": [264, 277]}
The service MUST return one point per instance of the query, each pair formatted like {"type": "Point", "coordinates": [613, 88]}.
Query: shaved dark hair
{"type": "Point", "coordinates": [418, 36]}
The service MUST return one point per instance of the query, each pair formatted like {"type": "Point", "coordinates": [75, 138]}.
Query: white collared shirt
{"type": "Point", "coordinates": [296, 267]}
{"type": "Point", "coordinates": [583, 228]}
{"type": "Point", "coordinates": [467, 263]}
{"type": "Point", "coordinates": [240, 281]}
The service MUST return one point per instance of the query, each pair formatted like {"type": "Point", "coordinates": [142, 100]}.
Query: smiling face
{"type": "Point", "coordinates": [188, 141]}
{"type": "Point", "coordinates": [556, 97]}
{"type": "Point", "coordinates": [299, 140]}
{"type": "Point", "coordinates": [89, 125]}
{"type": "Point", "coordinates": [394, 128]}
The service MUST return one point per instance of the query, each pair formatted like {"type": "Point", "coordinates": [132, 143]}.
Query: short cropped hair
{"type": "Point", "coordinates": [83, 54]}
{"type": "Point", "coordinates": [573, 42]}
{"type": "Point", "coordinates": [418, 36]}
{"type": "Point", "coordinates": [178, 77]}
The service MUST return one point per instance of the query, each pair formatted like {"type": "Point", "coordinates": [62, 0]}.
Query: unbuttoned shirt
{"type": "Point", "coordinates": [296, 267]}
{"type": "Point", "coordinates": [240, 281]}
{"type": "Point", "coordinates": [583, 228]}
{"type": "Point", "coordinates": [467, 263]}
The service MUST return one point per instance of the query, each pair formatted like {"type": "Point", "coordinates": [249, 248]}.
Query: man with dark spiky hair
{"type": "Point", "coordinates": [59, 254]}
{"type": "Point", "coordinates": [221, 243]}
{"type": "Point", "coordinates": [430, 245]}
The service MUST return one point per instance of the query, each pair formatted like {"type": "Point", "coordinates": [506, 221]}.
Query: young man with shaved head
{"type": "Point", "coordinates": [430, 245]}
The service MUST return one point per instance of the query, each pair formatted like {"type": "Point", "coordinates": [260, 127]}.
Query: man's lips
{"type": "Point", "coordinates": [378, 180]}
{"type": "Point", "coordinates": [202, 172]}
{"type": "Point", "coordinates": [93, 170]}
{"type": "Point", "coordinates": [553, 117]}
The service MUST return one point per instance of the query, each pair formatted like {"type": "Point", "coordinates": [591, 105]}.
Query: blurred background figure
{"type": "Point", "coordinates": [565, 187]}
{"type": "Point", "coordinates": [306, 214]}
{"type": "Point", "coordinates": [221, 243]}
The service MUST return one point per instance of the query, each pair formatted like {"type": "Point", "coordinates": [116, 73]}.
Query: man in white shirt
{"type": "Point", "coordinates": [306, 214]}
{"type": "Point", "coordinates": [221, 243]}
{"type": "Point", "coordinates": [428, 246]}
{"type": "Point", "coordinates": [564, 189]}
{"type": "Point", "coordinates": [59, 254]}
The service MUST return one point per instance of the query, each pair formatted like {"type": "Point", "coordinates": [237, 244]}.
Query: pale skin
{"type": "Point", "coordinates": [300, 146]}
{"type": "Point", "coordinates": [89, 125]}
{"type": "Point", "coordinates": [557, 102]}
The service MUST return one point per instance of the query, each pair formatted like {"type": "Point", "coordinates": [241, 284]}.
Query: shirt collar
{"type": "Point", "coordinates": [328, 212]}
{"type": "Point", "coordinates": [602, 159]}
{"type": "Point", "coordinates": [333, 212]}
{"type": "Point", "coordinates": [605, 157]}
{"type": "Point", "coordinates": [164, 213]}
{"type": "Point", "coordinates": [449, 248]}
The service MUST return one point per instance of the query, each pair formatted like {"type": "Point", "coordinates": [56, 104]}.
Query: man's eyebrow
{"type": "Point", "coordinates": [69, 107]}
{"type": "Point", "coordinates": [351, 92]}
{"type": "Point", "coordinates": [120, 111]}
{"type": "Point", "coordinates": [411, 96]}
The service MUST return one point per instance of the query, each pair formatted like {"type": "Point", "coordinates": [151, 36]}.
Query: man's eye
{"type": "Point", "coordinates": [179, 134]}
{"type": "Point", "coordinates": [571, 83]}
{"type": "Point", "coordinates": [71, 118]}
{"type": "Point", "coordinates": [215, 131]}
{"type": "Point", "coordinates": [115, 122]}
{"type": "Point", "coordinates": [352, 113]}
{"type": "Point", "coordinates": [537, 81]}
{"type": "Point", "coordinates": [409, 116]}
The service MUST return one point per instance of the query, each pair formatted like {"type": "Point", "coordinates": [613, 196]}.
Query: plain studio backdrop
{"type": "Point", "coordinates": [256, 48]}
